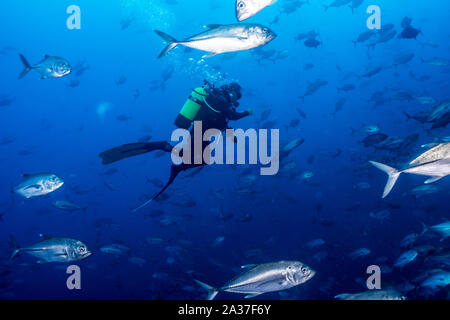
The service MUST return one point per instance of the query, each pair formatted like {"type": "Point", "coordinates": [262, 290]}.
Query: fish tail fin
{"type": "Point", "coordinates": [16, 247]}
{"type": "Point", "coordinates": [392, 173]}
{"type": "Point", "coordinates": [27, 66]}
{"type": "Point", "coordinates": [422, 59]}
{"type": "Point", "coordinates": [353, 131]}
{"type": "Point", "coordinates": [425, 228]}
{"type": "Point", "coordinates": [354, 43]}
{"type": "Point", "coordinates": [326, 7]}
{"type": "Point", "coordinates": [407, 115]}
{"type": "Point", "coordinates": [212, 292]}
{"type": "Point", "coordinates": [172, 43]}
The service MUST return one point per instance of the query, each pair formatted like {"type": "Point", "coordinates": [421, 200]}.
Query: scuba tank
{"type": "Point", "coordinates": [190, 108]}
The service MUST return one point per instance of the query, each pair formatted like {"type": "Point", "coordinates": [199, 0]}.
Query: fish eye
{"type": "Point", "coordinates": [264, 29]}
{"type": "Point", "coordinates": [241, 5]}
{"type": "Point", "coordinates": [304, 270]}
{"type": "Point", "coordinates": [81, 249]}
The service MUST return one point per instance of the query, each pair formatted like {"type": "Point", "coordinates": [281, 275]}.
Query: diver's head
{"type": "Point", "coordinates": [233, 92]}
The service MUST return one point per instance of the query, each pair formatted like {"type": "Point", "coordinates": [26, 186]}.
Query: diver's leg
{"type": "Point", "coordinates": [133, 149]}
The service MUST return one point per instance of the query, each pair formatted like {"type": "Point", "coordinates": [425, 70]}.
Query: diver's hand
{"type": "Point", "coordinates": [250, 112]}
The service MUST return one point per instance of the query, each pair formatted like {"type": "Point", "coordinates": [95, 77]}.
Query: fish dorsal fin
{"type": "Point", "coordinates": [45, 236]}
{"type": "Point", "coordinates": [26, 175]}
{"type": "Point", "coordinates": [213, 26]}
{"type": "Point", "coordinates": [248, 266]}
{"type": "Point", "coordinates": [34, 186]}
{"type": "Point", "coordinates": [46, 56]}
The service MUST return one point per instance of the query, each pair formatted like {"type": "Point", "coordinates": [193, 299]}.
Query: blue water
{"type": "Point", "coordinates": [59, 128]}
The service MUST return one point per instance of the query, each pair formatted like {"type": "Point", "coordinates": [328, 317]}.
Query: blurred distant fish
{"type": "Point", "coordinates": [123, 118]}
{"type": "Point", "coordinates": [363, 37]}
{"type": "Point", "coordinates": [126, 23]}
{"type": "Point", "coordinates": [115, 249]}
{"type": "Point", "coordinates": [337, 4]}
{"type": "Point", "coordinates": [437, 62]}
{"type": "Point", "coordinates": [5, 101]}
{"type": "Point", "coordinates": [223, 38]}
{"type": "Point", "coordinates": [81, 68]}
{"type": "Point", "coordinates": [7, 140]}
{"type": "Point", "coordinates": [313, 87]}
{"type": "Point", "coordinates": [347, 87]}
{"type": "Point", "coordinates": [49, 67]}
{"type": "Point", "coordinates": [287, 149]}
{"type": "Point", "coordinates": [389, 294]}
{"type": "Point", "coordinates": [301, 113]}
{"type": "Point", "coordinates": [248, 8]}
{"type": "Point", "coordinates": [121, 80]}
{"type": "Point", "coordinates": [359, 253]}
{"type": "Point", "coordinates": [66, 206]}
{"type": "Point", "coordinates": [425, 100]}
{"type": "Point", "coordinates": [74, 83]}
{"type": "Point", "coordinates": [355, 4]}
{"type": "Point", "coordinates": [403, 59]}
{"type": "Point", "coordinates": [409, 33]}
{"type": "Point", "coordinates": [443, 229]}
{"type": "Point", "coordinates": [371, 72]}
{"type": "Point", "coordinates": [312, 43]}
{"type": "Point", "coordinates": [405, 258]}
{"type": "Point", "coordinates": [366, 129]}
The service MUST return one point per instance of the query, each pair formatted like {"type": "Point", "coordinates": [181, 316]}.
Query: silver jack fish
{"type": "Point", "coordinates": [40, 184]}
{"type": "Point", "coordinates": [262, 278]}
{"type": "Point", "coordinates": [435, 163]}
{"type": "Point", "coordinates": [49, 67]}
{"type": "Point", "coordinates": [223, 38]}
{"type": "Point", "coordinates": [54, 250]}
{"type": "Point", "coordinates": [248, 8]}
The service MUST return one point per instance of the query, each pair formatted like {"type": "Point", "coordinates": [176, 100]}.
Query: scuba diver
{"type": "Point", "coordinates": [214, 107]}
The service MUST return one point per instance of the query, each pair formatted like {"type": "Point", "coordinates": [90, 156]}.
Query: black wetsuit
{"type": "Point", "coordinates": [224, 110]}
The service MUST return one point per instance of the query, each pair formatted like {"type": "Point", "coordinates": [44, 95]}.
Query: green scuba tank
{"type": "Point", "coordinates": [190, 108]}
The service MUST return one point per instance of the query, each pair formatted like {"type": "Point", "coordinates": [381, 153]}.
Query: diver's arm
{"type": "Point", "coordinates": [232, 114]}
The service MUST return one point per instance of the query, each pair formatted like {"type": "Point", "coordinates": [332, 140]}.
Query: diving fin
{"type": "Point", "coordinates": [174, 171]}
{"type": "Point", "coordinates": [133, 149]}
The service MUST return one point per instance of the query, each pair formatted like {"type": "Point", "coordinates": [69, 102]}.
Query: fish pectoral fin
{"type": "Point", "coordinates": [34, 186]}
{"type": "Point", "coordinates": [252, 295]}
{"type": "Point", "coordinates": [213, 26]}
{"type": "Point", "coordinates": [41, 261]}
{"type": "Point", "coordinates": [248, 266]}
{"type": "Point", "coordinates": [209, 55]}
{"type": "Point", "coordinates": [433, 179]}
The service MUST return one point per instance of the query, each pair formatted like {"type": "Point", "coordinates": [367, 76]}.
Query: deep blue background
{"type": "Point", "coordinates": [61, 128]}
